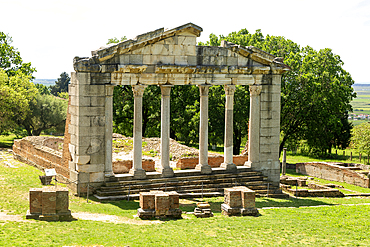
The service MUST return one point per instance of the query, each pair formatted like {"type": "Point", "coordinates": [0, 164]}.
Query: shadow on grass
{"type": "Point", "coordinates": [289, 202]}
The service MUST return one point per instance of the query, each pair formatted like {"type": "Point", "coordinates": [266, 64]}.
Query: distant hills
{"type": "Point", "coordinates": [46, 82]}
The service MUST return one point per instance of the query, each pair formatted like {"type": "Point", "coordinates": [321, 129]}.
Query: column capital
{"type": "Point", "coordinates": [255, 90]}
{"type": "Point", "coordinates": [229, 89]}
{"type": "Point", "coordinates": [109, 90]}
{"type": "Point", "coordinates": [166, 90]}
{"type": "Point", "coordinates": [138, 90]}
{"type": "Point", "coordinates": [204, 89]}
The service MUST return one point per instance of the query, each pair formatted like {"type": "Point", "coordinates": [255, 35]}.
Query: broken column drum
{"type": "Point", "coordinates": [167, 58]}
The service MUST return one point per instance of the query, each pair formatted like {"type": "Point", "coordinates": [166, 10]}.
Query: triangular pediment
{"type": "Point", "coordinates": [175, 51]}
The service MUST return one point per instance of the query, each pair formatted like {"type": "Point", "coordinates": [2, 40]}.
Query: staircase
{"type": "Point", "coordinates": [188, 183]}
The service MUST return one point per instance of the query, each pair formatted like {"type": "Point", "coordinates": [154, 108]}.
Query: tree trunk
{"type": "Point", "coordinates": [237, 142]}
{"type": "Point", "coordinates": [282, 145]}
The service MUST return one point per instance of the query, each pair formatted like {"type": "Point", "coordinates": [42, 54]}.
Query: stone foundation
{"type": "Point", "coordinates": [213, 161]}
{"type": "Point", "coordinates": [333, 172]}
{"type": "Point", "coordinates": [49, 204]}
{"type": "Point", "coordinates": [239, 201]}
{"type": "Point", "coordinates": [159, 204]}
{"type": "Point", "coordinates": [42, 153]}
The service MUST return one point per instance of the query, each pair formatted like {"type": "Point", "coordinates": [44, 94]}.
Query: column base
{"type": "Point", "coordinates": [138, 173]}
{"type": "Point", "coordinates": [229, 167]}
{"type": "Point", "coordinates": [109, 174]}
{"type": "Point", "coordinates": [252, 164]}
{"type": "Point", "coordinates": [167, 172]}
{"type": "Point", "coordinates": [204, 169]}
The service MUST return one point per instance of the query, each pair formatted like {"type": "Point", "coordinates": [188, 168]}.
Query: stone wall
{"type": "Point", "coordinates": [30, 150]}
{"type": "Point", "coordinates": [333, 172]}
{"type": "Point", "coordinates": [213, 161]}
{"type": "Point", "coordinates": [124, 166]}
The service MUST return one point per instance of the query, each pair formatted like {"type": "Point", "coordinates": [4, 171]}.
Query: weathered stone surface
{"type": "Point", "coordinates": [239, 201]}
{"type": "Point", "coordinates": [35, 201]}
{"type": "Point", "coordinates": [159, 204]}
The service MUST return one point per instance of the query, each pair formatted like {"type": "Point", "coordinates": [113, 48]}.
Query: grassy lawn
{"type": "Point", "coordinates": [7, 141]}
{"type": "Point", "coordinates": [282, 222]}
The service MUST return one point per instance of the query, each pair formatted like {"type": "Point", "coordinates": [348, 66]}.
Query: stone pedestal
{"type": "Point", "coordinates": [49, 204]}
{"type": "Point", "coordinates": [239, 201]}
{"type": "Point", "coordinates": [159, 204]}
{"type": "Point", "coordinates": [203, 210]}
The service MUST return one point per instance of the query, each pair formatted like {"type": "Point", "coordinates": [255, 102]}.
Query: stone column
{"type": "Point", "coordinates": [108, 171]}
{"type": "Point", "coordinates": [137, 169]}
{"type": "Point", "coordinates": [228, 143]}
{"type": "Point", "coordinates": [165, 131]}
{"type": "Point", "coordinates": [203, 131]}
{"type": "Point", "coordinates": [254, 126]}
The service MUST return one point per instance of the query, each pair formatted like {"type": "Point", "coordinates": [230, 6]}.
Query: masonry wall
{"type": "Point", "coordinates": [333, 172]}
{"type": "Point", "coordinates": [87, 128]}
{"type": "Point", "coordinates": [39, 156]}
{"type": "Point", "coordinates": [191, 162]}
{"type": "Point", "coordinates": [270, 128]}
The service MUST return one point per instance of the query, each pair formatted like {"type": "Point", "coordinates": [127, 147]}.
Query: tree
{"type": "Point", "coordinates": [16, 94]}
{"type": "Point", "coordinates": [360, 139]}
{"type": "Point", "coordinates": [315, 94]}
{"type": "Point", "coordinates": [43, 90]}
{"type": "Point", "coordinates": [46, 111]}
{"type": "Point", "coordinates": [61, 85]}
{"type": "Point", "coordinates": [10, 58]}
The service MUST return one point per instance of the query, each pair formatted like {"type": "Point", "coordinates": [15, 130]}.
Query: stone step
{"type": "Point", "coordinates": [182, 196]}
{"type": "Point", "coordinates": [183, 174]}
{"type": "Point", "coordinates": [163, 183]}
{"type": "Point", "coordinates": [255, 185]}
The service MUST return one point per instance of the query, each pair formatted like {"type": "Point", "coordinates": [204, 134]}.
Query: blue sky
{"type": "Point", "coordinates": [49, 34]}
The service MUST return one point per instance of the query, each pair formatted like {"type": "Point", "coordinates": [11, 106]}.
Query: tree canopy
{"type": "Point", "coordinates": [315, 94]}
{"type": "Point", "coordinates": [360, 139]}
{"type": "Point", "coordinates": [10, 59]}
{"type": "Point", "coordinates": [61, 85]}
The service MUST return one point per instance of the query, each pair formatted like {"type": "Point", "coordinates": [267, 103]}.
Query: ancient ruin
{"type": "Point", "coordinates": [167, 58]}
{"type": "Point", "coordinates": [49, 204]}
{"type": "Point", "coordinates": [239, 200]}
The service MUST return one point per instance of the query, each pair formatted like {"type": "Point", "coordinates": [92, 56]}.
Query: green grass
{"type": "Point", "coordinates": [291, 224]}
{"type": "Point", "coordinates": [6, 141]}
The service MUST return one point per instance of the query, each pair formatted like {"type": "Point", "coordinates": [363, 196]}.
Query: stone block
{"type": "Point", "coordinates": [186, 40]}
{"type": "Point", "coordinates": [96, 177]}
{"type": "Point", "coordinates": [62, 200]}
{"type": "Point", "coordinates": [100, 78]}
{"type": "Point", "coordinates": [88, 168]}
{"type": "Point", "coordinates": [49, 201]}
{"type": "Point", "coordinates": [248, 198]}
{"type": "Point", "coordinates": [147, 201]}
{"type": "Point", "coordinates": [162, 204]}
{"type": "Point", "coordinates": [35, 201]}
{"type": "Point", "coordinates": [181, 60]}
{"type": "Point", "coordinates": [97, 101]}
{"type": "Point", "coordinates": [174, 200]}
{"type": "Point", "coordinates": [232, 197]}
{"type": "Point", "coordinates": [136, 59]}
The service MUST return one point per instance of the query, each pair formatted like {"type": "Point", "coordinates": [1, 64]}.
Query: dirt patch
{"type": "Point", "coordinates": [5, 217]}
{"type": "Point", "coordinates": [113, 219]}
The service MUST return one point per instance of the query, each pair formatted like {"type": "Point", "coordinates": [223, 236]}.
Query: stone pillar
{"type": "Point", "coordinates": [108, 171]}
{"type": "Point", "coordinates": [228, 143]}
{"type": "Point", "coordinates": [254, 126]}
{"type": "Point", "coordinates": [203, 131]}
{"type": "Point", "coordinates": [165, 131]}
{"type": "Point", "coordinates": [137, 170]}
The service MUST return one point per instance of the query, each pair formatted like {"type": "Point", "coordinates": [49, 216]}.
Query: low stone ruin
{"type": "Point", "coordinates": [49, 204]}
{"type": "Point", "coordinates": [159, 204]}
{"type": "Point", "coordinates": [203, 210]}
{"type": "Point", "coordinates": [339, 172]}
{"type": "Point", "coordinates": [239, 200]}
{"type": "Point", "coordinates": [290, 184]}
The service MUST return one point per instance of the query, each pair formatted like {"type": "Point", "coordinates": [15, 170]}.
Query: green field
{"type": "Point", "coordinates": [361, 104]}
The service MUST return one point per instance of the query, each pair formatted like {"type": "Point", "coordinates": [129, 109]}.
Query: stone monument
{"type": "Point", "coordinates": [170, 58]}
